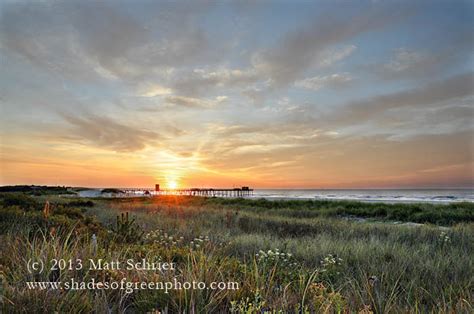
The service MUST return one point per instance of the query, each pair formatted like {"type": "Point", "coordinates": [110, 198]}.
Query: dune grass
{"type": "Point", "coordinates": [288, 256]}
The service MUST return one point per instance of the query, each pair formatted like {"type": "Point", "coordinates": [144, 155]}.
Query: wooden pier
{"type": "Point", "coordinates": [207, 192]}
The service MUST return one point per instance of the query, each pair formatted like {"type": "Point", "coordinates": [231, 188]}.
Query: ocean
{"type": "Point", "coordinates": [363, 195]}
{"type": "Point", "coordinates": [372, 195]}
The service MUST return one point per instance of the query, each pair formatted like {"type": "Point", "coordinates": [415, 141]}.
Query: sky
{"type": "Point", "coordinates": [267, 94]}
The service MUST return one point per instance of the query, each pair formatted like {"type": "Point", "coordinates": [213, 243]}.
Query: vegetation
{"type": "Point", "coordinates": [443, 214]}
{"type": "Point", "coordinates": [126, 229]}
{"type": "Point", "coordinates": [37, 189]}
{"type": "Point", "coordinates": [112, 190]}
{"type": "Point", "coordinates": [80, 203]}
{"type": "Point", "coordinates": [287, 256]}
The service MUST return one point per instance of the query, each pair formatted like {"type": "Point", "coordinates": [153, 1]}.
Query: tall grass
{"type": "Point", "coordinates": [285, 257]}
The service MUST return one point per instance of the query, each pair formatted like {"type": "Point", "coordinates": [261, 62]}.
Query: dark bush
{"type": "Point", "coordinates": [23, 201]}
{"type": "Point", "coordinates": [80, 203]}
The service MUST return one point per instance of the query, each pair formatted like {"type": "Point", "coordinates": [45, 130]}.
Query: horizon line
{"type": "Point", "coordinates": [260, 188]}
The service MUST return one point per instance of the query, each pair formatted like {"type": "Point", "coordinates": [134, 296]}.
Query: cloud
{"type": "Point", "coordinates": [109, 134]}
{"type": "Point", "coordinates": [404, 59]}
{"type": "Point", "coordinates": [449, 116]}
{"type": "Point", "coordinates": [427, 96]}
{"type": "Point", "coordinates": [73, 40]}
{"type": "Point", "coordinates": [201, 81]}
{"type": "Point", "coordinates": [331, 81]}
{"type": "Point", "coordinates": [335, 55]}
{"type": "Point", "coordinates": [318, 44]}
{"type": "Point", "coordinates": [256, 95]}
{"type": "Point", "coordinates": [311, 45]}
{"type": "Point", "coordinates": [410, 64]}
{"type": "Point", "coordinates": [354, 160]}
{"type": "Point", "coordinates": [415, 64]}
{"type": "Point", "coordinates": [153, 90]}
{"type": "Point", "coordinates": [265, 136]}
{"type": "Point", "coordinates": [191, 102]}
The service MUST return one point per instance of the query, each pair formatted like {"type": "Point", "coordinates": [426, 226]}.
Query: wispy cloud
{"type": "Point", "coordinates": [107, 133]}
{"type": "Point", "coordinates": [427, 96]}
{"type": "Point", "coordinates": [423, 63]}
{"type": "Point", "coordinates": [191, 102]}
{"type": "Point", "coordinates": [334, 55]}
{"type": "Point", "coordinates": [311, 45]}
{"type": "Point", "coordinates": [153, 90]}
{"type": "Point", "coordinates": [72, 38]}
{"type": "Point", "coordinates": [201, 81]}
{"type": "Point", "coordinates": [336, 80]}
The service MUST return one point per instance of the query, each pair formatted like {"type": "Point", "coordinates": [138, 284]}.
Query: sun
{"type": "Point", "coordinates": [173, 185]}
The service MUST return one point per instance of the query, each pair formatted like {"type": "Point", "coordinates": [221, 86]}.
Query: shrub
{"type": "Point", "coordinates": [80, 203]}
{"type": "Point", "coordinates": [23, 201]}
{"type": "Point", "coordinates": [126, 230]}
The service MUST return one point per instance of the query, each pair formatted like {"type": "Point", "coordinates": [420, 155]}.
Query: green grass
{"type": "Point", "coordinates": [336, 264]}
{"type": "Point", "coordinates": [444, 214]}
